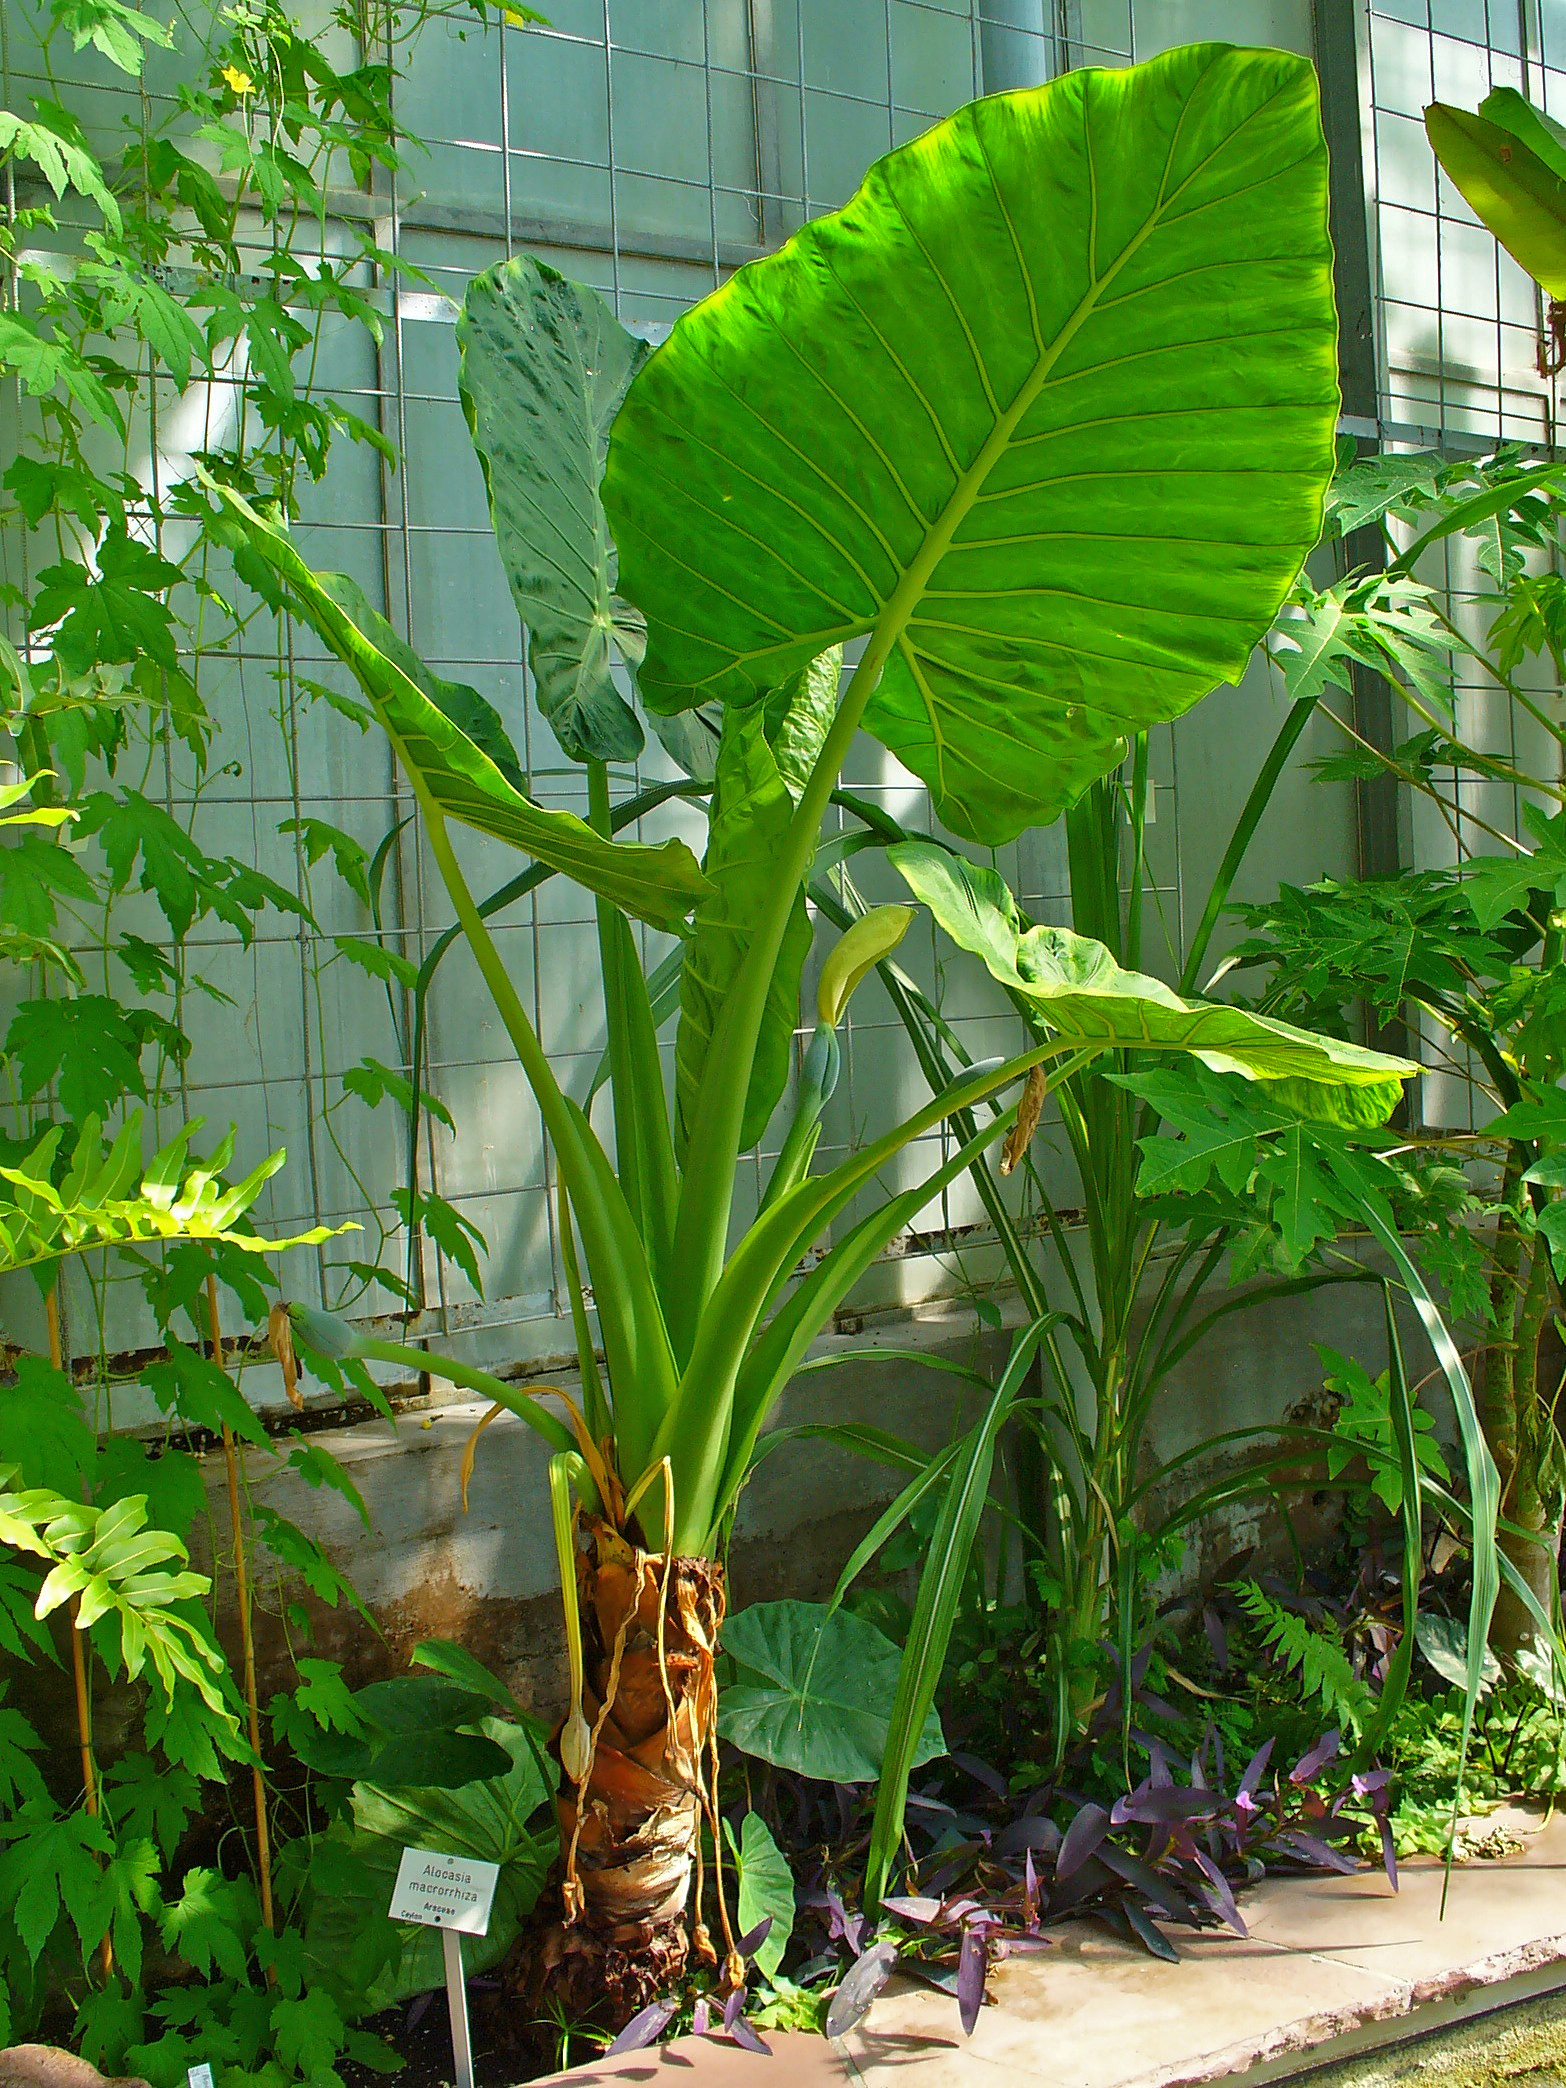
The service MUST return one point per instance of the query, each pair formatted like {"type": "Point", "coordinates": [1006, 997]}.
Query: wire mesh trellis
{"type": "Point", "coordinates": [648, 147]}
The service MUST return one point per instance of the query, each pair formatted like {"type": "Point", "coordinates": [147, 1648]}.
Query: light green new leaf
{"type": "Point", "coordinates": [799, 716]}
{"type": "Point", "coordinates": [545, 365]}
{"type": "Point", "coordinates": [1045, 412]}
{"type": "Point", "coordinates": [764, 757]}
{"type": "Point", "coordinates": [1074, 985]}
{"type": "Point", "coordinates": [659, 885]}
{"type": "Point", "coordinates": [812, 1691]}
{"type": "Point", "coordinates": [870, 941]}
{"type": "Point", "coordinates": [1509, 163]}
{"type": "Point", "coordinates": [766, 1889]}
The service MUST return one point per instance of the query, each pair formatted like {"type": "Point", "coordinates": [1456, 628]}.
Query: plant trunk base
{"type": "Point", "coordinates": [1538, 1565]}
{"type": "Point", "coordinates": [630, 1839]}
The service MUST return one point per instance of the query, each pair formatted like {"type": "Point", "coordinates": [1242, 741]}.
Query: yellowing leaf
{"type": "Point", "coordinates": [863, 945]}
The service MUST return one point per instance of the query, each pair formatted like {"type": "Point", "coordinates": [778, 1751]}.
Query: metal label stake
{"type": "Point", "coordinates": [457, 2003]}
{"type": "Point", "coordinates": [453, 1894]}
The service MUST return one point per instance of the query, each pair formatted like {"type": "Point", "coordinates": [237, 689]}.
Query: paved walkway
{"type": "Point", "coordinates": [1327, 1958]}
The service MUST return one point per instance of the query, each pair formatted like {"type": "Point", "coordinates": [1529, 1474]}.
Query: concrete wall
{"type": "Point", "coordinates": [488, 1579]}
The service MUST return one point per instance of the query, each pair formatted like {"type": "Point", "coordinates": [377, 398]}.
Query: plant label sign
{"type": "Point", "coordinates": [446, 1892]}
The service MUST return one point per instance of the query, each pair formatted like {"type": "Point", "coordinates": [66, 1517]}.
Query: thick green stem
{"type": "Point", "coordinates": [636, 1347]}
{"type": "Point", "coordinates": [625, 1143]}
{"type": "Point", "coordinates": [707, 1191]}
{"type": "Point", "coordinates": [523, 1404]}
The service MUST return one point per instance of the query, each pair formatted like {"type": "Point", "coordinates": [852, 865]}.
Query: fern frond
{"type": "Point", "coordinates": [1315, 1658]}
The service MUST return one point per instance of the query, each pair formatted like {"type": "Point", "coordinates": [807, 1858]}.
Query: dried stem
{"type": "Point", "coordinates": [246, 1636]}
{"type": "Point", "coordinates": [79, 1653]}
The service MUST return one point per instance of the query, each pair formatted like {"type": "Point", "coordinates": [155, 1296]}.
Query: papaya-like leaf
{"type": "Point", "coordinates": [1045, 413]}
{"type": "Point", "coordinates": [545, 364]}
{"type": "Point", "coordinates": [1509, 164]}
{"type": "Point", "coordinates": [1074, 985]}
{"type": "Point", "coordinates": [659, 884]}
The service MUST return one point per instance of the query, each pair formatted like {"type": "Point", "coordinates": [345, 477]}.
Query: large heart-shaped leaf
{"type": "Point", "coordinates": [1072, 984]}
{"type": "Point", "coordinates": [1045, 412]}
{"type": "Point", "coordinates": [659, 885]}
{"type": "Point", "coordinates": [545, 365]}
{"type": "Point", "coordinates": [813, 1690]}
{"type": "Point", "coordinates": [506, 1820]}
{"type": "Point", "coordinates": [1509, 163]}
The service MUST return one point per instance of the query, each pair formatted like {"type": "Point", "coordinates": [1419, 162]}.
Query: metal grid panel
{"type": "Point", "coordinates": [645, 147]}
{"type": "Point", "coordinates": [1460, 331]}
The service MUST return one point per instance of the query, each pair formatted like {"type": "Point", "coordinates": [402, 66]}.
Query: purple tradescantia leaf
{"type": "Point", "coordinates": [747, 2040]}
{"type": "Point", "coordinates": [1089, 1877]}
{"type": "Point", "coordinates": [1030, 1890]}
{"type": "Point", "coordinates": [958, 1864]}
{"type": "Point", "coordinates": [1136, 1873]}
{"type": "Point", "coordinates": [1317, 1852]}
{"type": "Point", "coordinates": [921, 1911]}
{"type": "Point", "coordinates": [981, 1772]}
{"type": "Point", "coordinates": [1222, 1896]}
{"type": "Point", "coordinates": [644, 2028]}
{"type": "Point", "coordinates": [932, 1976]}
{"type": "Point", "coordinates": [752, 1940]}
{"type": "Point", "coordinates": [733, 2007]}
{"type": "Point", "coordinates": [1388, 1849]}
{"type": "Point", "coordinates": [701, 2017]}
{"type": "Point", "coordinates": [971, 1967]}
{"type": "Point", "coordinates": [1316, 1760]}
{"type": "Point", "coordinates": [866, 1977]}
{"type": "Point", "coordinates": [1217, 1639]}
{"type": "Point", "coordinates": [1083, 1836]}
{"type": "Point", "coordinates": [819, 1968]}
{"type": "Point", "coordinates": [1151, 1939]}
{"type": "Point", "coordinates": [1030, 1832]}
{"type": "Point", "coordinates": [850, 1927]}
{"type": "Point", "coordinates": [1154, 1806]}
{"type": "Point", "coordinates": [1256, 1768]}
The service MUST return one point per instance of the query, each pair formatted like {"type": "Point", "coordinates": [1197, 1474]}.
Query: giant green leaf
{"type": "Point", "coordinates": [545, 365]}
{"type": "Point", "coordinates": [765, 755]}
{"type": "Point", "coordinates": [1073, 985]}
{"type": "Point", "coordinates": [1045, 413]}
{"type": "Point", "coordinates": [659, 884]}
{"type": "Point", "coordinates": [812, 1691]}
{"type": "Point", "coordinates": [1509, 163]}
{"type": "Point", "coordinates": [506, 1820]}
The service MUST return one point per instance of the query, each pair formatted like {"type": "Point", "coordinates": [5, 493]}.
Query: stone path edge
{"type": "Point", "coordinates": [1406, 2017]}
